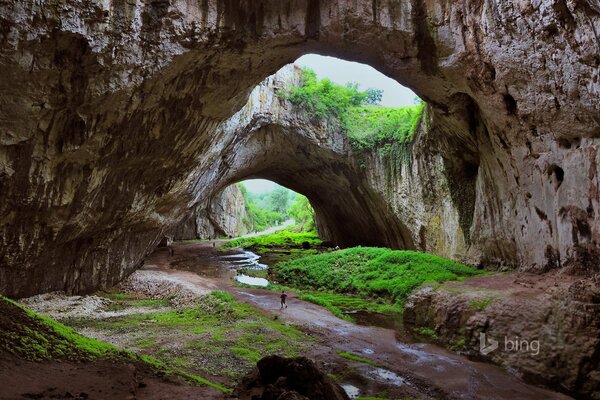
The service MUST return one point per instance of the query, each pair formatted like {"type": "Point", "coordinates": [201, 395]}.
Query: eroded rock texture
{"type": "Point", "coordinates": [115, 116]}
{"type": "Point", "coordinates": [547, 326]}
{"type": "Point", "coordinates": [224, 215]}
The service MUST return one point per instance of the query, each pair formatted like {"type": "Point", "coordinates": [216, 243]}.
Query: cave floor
{"type": "Point", "coordinates": [367, 360]}
{"type": "Point", "coordinates": [406, 369]}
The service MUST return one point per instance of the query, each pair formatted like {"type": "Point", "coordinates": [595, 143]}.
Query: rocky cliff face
{"type": "Point", "coordinates": [117, 117]}
{"type": "Point", "coordinates": [223, 215]}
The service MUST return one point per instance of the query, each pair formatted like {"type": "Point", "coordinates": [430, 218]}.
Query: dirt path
{"type": "Point", "coordinates": [274, 229]}
{"type": "Point", "coordinates": [421, 368]}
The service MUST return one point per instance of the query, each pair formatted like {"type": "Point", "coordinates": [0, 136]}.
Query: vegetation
{"type": "Point", "coordinates": [370, 272]}
{"type": "Point", "coordinates": [217, 337]}
{"type": "Point", "coordinates": [481, 304]}
{"type": "Point", "coordinates": [366, 124]}
{"type": "Point", "coordinates": [303, 214]}
{"type": "Point", "coordinates": [284, 237]}
{"type": "Point", "coordinates": [340, 304]}
{"type": "Point", "coordinates": [265, 210]}
{"type": "Point", "coordinates": [260, 217]}
{"type": "Point", "coordinates": [354, 357]}
{"type": "Point", "coordinates": [427, 332]}
{"type": "Point", "coordinates": [34, 337]}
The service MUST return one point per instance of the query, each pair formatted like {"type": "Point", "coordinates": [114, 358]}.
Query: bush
{"type": "Point", "coordinates": [366, 124]}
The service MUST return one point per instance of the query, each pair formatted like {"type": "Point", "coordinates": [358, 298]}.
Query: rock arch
{"type": "Point", "coordinates": [119, 131]}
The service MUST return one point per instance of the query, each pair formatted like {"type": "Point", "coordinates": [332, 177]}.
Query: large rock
{"type": "Point", "coordinates": [224, 215]}
{"type": "Point", "coordinates": [547, 326]}
{"type": "Point", "coordinates": [278, 378]}
{"type": "Point", "coordinates": [116, 119]}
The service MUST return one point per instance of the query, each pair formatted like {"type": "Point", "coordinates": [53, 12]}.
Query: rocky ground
{"type": "Point", "coordinates": [149, 314]}
{"type": "Point", "coordinates": [554, 317]}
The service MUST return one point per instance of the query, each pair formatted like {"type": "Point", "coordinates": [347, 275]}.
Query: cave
{"type": "Point", "coordinates": [119, 118]}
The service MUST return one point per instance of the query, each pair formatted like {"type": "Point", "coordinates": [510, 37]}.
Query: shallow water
{"type": "Point", "coordinates": [252, 280]}
{"type": "Point", "coordinates": [352, 391]}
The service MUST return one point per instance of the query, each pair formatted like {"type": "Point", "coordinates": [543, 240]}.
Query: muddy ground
{"type": "Point", "coordinates": [150, 314]}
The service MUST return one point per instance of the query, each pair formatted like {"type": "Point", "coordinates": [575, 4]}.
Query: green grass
{"type": "Point", "coordinates": [427, 332]}
{"type": "Point", "coordinates": [284, 237]}
{"type": "Point", "coordinates": [457, 344]}
{"type": "Point", "coordinates": [481, 304]}
{"type": "Point", "coordinates": [357, 358]}
{"type": "Point", "coordinates": [340, 304]}
{"type": "Point", "coordinates": [34, 337]}
{"type": "Point", "coordinates": [218, 336]}
{"type": "Point", "coordinates": [369, 272]}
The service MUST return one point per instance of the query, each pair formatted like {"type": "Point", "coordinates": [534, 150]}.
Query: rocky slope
{"type": "Point", "coordinates": [546, 326]}
{"type": "Point", "coordinates": [116, 119]}
{"type": "Point", "coordinates": [224, 215]}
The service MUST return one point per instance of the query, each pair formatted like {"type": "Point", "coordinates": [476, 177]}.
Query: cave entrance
{"type": "Point", "coordinates": [314, 127]}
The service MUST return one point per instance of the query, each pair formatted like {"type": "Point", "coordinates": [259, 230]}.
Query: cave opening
{"type": "Point", "coordinates": [127, 115]}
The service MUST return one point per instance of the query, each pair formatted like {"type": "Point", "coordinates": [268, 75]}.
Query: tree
{"type": "Point", "coordinates": [279, 201]}
{"type": "Point", "coordinates": [374, 96]}
{"type": "Point", "coordinates": [303, 213]}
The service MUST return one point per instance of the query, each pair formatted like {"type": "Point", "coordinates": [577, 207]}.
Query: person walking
{"type": "Point", "coordinates": [283, 297]}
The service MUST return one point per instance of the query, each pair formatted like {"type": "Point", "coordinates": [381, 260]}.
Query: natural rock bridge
{"type": "Point", "coordinates": [114, 120]}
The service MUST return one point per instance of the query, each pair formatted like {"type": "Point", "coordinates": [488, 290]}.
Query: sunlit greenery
{"type": "Point", "coordinates": [370, 272]}
{"type": "Point", "coordinates": [303, 214]}
{"type": "Point", "coordinates": [260, 214]}
{"type": "Point", "coordinates": [365, 122]}
{"type": "Point", "coordinates": [284, 237]}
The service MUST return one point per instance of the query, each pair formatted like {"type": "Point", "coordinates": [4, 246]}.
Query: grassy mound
{"type": "Point", "coordinates": [33, 337]}
{"type": "Point", "coordinates": [27, 335]}
{"type": "Point", "coordinates": [284, 237]}
{"type": "Point", "coordinates": [370, 272]}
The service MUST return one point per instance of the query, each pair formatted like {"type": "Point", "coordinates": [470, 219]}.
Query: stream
{"type": "Point", "coordinates": [395, 359]}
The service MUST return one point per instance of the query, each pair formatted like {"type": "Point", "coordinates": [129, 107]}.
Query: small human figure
{"type": "Point", "coordinates": [213, 244]}
{"type": "Point", "coordinates": [283, 297]}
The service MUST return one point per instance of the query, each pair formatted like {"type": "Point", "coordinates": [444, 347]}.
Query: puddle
{"type": "Point", "coordinates": [422, 356]}
{"type": "Point", "coordinates": [386, 376]}
{"type": "Point", "coordinates": [251, 280]}
{"type": "Point", "coordinates": [368, 351]}
{"type": "Point", "coordinates": [352, 391]}
{"type": "Point", "coordinates": [237, 265]}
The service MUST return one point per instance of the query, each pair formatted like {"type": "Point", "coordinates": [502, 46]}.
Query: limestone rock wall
{"type": "Point", "coordinates": [114, 116]}
{"type": "Point", "coordinates": [224, 215]}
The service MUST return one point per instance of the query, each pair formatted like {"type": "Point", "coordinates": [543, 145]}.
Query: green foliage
{"type": "Point", "coordinates": [357, 358]}
{"type": "Point", "coordinates": [260, 217]}
{"type": "Point", "coordinates": [371, 126]}
{"type": "Point", "coordinates": [284, 237]}
{"type": "Point", "coordinates": [366, 124]}
{"type": "Point", "coordinates": [458, 344]}
{"type": "Point", "coordinates": [339, 304]}
{"type": "Point", "coordinates": [303, 213]}
{"type": "Point", "coordinates": [481, 304]}
{"type": "Point", "coordinates": [427, 332]}
{"type": "Point", "coordinates": [370, 272]}
{"type": "Point", "coordinates": [35, 337]}
{"type": "Point", "coordinates": [279, 200]}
